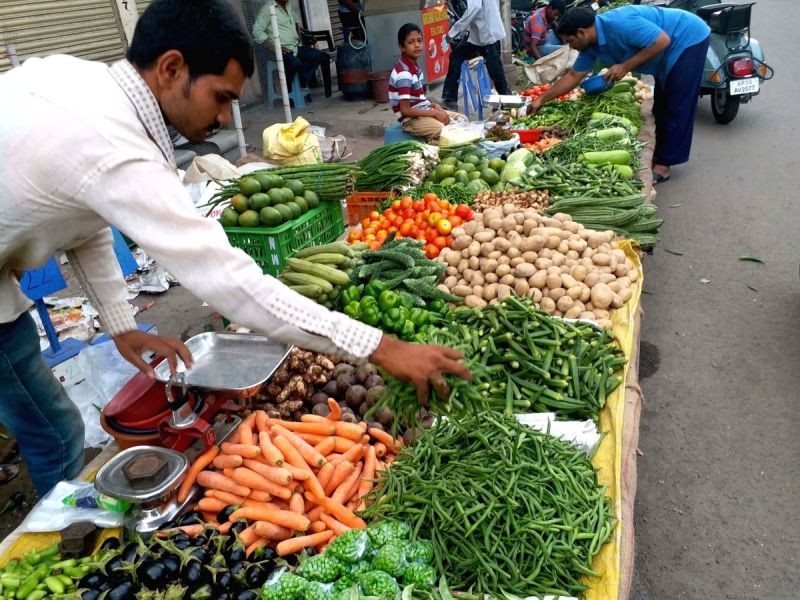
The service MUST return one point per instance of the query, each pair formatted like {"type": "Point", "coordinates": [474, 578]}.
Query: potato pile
{"type": "Point", "coordinates": [566, 269]}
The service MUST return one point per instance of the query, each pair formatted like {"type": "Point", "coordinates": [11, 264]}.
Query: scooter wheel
{"type": "Point", "coordinates": [724, 106]}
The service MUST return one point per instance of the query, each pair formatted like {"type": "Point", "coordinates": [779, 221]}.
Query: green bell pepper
{"type": "Point", "coordinates": [438, 306]}
{"type": "Point", "coordinates": [353, 309]}
{"type": "Point", "coordinates": [374, 288]}
{"type": "Point", "coordinates": [392, 320]}
{"type": "Point", "coordinates": [418, 316]}
{"type": "Point", "coordinates": [350, 294]}
{"type": "Point", "coordinates": [370, 314]}
{"type": "Point", "coordinates": [407, 331]}
{"type": "Point", "coordinates": [388, 299]}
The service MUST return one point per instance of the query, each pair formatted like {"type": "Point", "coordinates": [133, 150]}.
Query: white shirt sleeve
{"type": "Point", "coordinates": [97, 268]}
{"type": "Point", "coordinates": [147, 202]}
{"type": "Point", "coordinates": [458, 28]}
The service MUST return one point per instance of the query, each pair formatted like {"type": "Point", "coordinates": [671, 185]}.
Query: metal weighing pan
{"type": "Point", "coordinates": [231, 362]}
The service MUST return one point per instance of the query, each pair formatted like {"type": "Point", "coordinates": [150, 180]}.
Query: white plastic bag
{"type": "Point", "coordinates": [583, 434]}
{"type": "Point", "coordinates": [549, 68]}
{"type": "Point", "coordinates": [460, 133]}
{"type": "Point", "coordinates": [51, 514]}
{"type": "Point", "coordinates": [498, 149]}
{"type": "Point", "coordinates": [334, 148]}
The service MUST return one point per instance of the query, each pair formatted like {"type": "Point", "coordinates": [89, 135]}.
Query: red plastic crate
{"type": "Point", "coordinates": [528, 136]}
{"type": "Point", "coordinates": [360, 204]}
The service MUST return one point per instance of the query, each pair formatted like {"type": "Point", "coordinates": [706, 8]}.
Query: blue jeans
{"type": "Point", "coordinates": [550, 44]}
{"type": "Point", "coordinates": [303, 63]}
{"type": "Point", "coordinates": [36, 409]}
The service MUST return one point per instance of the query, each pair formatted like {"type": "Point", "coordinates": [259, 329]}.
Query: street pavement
{"type": "Point", "coordinates": [718, 481]}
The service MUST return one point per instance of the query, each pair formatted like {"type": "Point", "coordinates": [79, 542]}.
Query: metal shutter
{"type": "Point", "coordinates": [85, 28]}
{"type": "Point", "coordinates": [141, 5]}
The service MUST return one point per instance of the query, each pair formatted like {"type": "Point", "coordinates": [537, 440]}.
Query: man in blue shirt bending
{"type": "Point", "coordinates": [669, 44]}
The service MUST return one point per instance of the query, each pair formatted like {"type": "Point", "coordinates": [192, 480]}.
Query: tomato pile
{"type": "Point", "coordinates": [539, 90]}
{"type": "Point", "coordinates": [429, 219]}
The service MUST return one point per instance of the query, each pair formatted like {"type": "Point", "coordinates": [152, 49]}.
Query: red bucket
{"type": "Point", "coordinates": [379, 80]}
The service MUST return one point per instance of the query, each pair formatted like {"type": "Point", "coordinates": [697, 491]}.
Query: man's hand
{"type": "Point", "coordinates": [441, 116]}
{"type": "Point", "coordinates": [133, 344]}
{"type": "Point", "coordinates": [534, 106]}
{"type": "Point", "coordinates": [615, 73]}
{"type": "Point", "coordinates": [421, 365]}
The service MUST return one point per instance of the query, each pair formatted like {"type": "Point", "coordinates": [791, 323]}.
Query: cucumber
{"type": "Point", "coordinates": [334, 276]}
{"type": "Point", "coordinates": [294, 278]}
{"type": "Point", "coordinates": [308, 290]}
{"type": "Point", "coordinates": [327, 258]}
{"type": "Point", "coordinates": [334, 247]}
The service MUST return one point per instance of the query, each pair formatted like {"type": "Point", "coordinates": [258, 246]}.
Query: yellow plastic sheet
{"type": "Point", "coordinates": [608, 459]}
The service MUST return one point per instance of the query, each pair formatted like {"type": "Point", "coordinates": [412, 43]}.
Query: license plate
{"type": "Point", "coordinates": [744, 86]}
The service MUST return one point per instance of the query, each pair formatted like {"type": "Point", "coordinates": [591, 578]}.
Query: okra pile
{"type": "Point", "coordinates": [522, 361]}
{"type": "Point", "coordinates": [508, 509]}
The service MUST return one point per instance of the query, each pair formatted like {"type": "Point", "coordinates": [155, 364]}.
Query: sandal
{"type": "Point", "coordinates": [659, 178]}
{"type": "Point", "coordinates": [8, 472]}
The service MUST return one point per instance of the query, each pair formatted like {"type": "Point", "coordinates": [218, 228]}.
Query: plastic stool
{"type": "Point", "coordinates": [396, 133]}
{"type": "Point", "coordinates": [468, 91]}
{"type": "Point", "coordinates": [296, 95]}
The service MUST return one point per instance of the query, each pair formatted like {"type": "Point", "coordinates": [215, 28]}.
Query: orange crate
{"type": "Point", "coordinates": [360, 204]}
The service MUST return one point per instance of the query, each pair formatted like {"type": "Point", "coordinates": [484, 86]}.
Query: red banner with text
{"type": "Point", "coordinates": [435, 25]}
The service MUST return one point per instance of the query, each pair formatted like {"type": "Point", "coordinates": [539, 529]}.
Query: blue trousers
{"type": "Point", "coordinates": [465, 51]}
{"type": "Point", "coordinates": [675, 104]}
{"type": "Point", "coordinates": [304, 63]}
{"type": "Point", "coordinates": [550, 44]}
{"type": "Point", "coordinates": [36, 409]}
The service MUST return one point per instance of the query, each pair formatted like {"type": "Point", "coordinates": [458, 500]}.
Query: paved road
{"type": "Point", "coordinates": [719, 483]}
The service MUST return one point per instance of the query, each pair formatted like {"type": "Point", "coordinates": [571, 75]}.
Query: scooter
{"type": "Point", "coordinates": [735, 67]}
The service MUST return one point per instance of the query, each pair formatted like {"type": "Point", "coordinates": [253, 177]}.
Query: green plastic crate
{"type": "Point", "coordinates": [271, 246]}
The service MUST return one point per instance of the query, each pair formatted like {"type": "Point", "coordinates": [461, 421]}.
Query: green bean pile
{"type": "Point", "coordinates": [522, 360]}
{"type": "Point", "coordinates": [580, 179]}
{"type": "Point", "coordinates": [508, 509]}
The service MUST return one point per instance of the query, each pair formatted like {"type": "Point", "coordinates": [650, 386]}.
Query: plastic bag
{"type": "Point", "coordinates": [498, 149]}
{"type": "Point", "coordinates": [549, 68]}
{"type": "Point", "coordinates": [460, 133]}
{"type": "Point", "coordinates": [334, 148]}
{"type": "Point", "coordinates": [291, 144]}
{"type": "Point", "coordinates": [583, 434]}
{"type": "Point", "coordinates": [51, 514]}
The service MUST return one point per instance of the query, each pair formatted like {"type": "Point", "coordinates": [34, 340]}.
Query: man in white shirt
{"type": "Point", "coordinates": [86, 145]}
{"type": "Point", "coordinates": [477, 33]}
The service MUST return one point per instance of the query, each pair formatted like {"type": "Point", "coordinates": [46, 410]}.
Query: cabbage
{"type": "Point", "coordinates": [513, 171]}
{"type": "Point", "coordinates": [522, 155]}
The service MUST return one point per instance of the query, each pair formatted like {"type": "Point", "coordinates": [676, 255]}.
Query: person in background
{"type": "Point", "coordinates": [297, 59]}
{"type": "Point", "coordinates": [540, 37]}
{"type": "Point", "coordinates": [417, 114]}
{"type": "Point", "coordinates": [484, 29]}
{"type": "Point", "coordinates": [350, 18]}
{"type": "Point", "coordinates": [669, 44]}
{"type": "Point", "coordinates": [78, 158]}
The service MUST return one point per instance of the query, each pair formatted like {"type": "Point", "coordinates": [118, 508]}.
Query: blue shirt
{"type": "Point", "coordinates": [622, 32]}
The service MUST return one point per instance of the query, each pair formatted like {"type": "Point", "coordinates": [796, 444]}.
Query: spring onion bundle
{"type": "Point", "coordinates": [395, 166]}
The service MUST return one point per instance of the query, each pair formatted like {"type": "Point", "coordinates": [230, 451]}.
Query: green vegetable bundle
{"type": "Point", "coordinates": [319, 272]}
{"type": "Point", "coordinates": [330, 181]}
{"type": "Point", "coordinates": [581, 179]}
{"type": "Point", "coordinates": [393, 167]}
{"type": "Point", "coordinates": [508, 509]}
{"type": "Point", "coordinates": [522, 360]}
{"type": "Point", "coordinates": [627, 216]}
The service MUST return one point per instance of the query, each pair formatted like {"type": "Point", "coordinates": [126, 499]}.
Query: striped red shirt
{"type": "Point", "coordinates": [405, 83]}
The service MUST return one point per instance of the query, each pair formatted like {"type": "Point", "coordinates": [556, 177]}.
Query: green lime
{"type": "Point", "coordinates": [295, 208]}
{"type": "Point", "coordinates": [474, 175]}
{"type": "Point", "coordinates": [489, 176]}
{"type": "Point", "coordinates": [497, 164]}
{"type": "Point", "coordinates": [229, 218]}
{"type": "Point", "coordinates": [285, 211]}
{"type": "Point", "coordinates": [473, 159]}
{"type": "Point", "coordinates": [249, 186]}
{"type": "Point", "coordinates": [249, 218]}
{"type": "Point", "coordinates": [275, 196]}
{"type": "Point", "coordinates": [448, 181]}
{"type": "Point", "coordinates": [288, 194]}
{"type": "Point", "coordinates": [468, 167]}
{"type": "Point", "coordinates": [301, 202]}
{"type": "Point", "coordinates": [450, 160]}
{"type": "Point", "coordinates": [461, 176]}
{"type": "Point", "coordinates": [443, 171]}
{"type": "Point", "coordinates": [239, 203]}
{"type": "Point", "coordinates": [259, 201]}
{"type": "Point", "coordinates": [311, 198]}
{"type": "Point", "coordinates": [264, 179]}
{"type": "Point", "coordinates": [270, 217]}
{"type": "Point", "coordinates": [296, 186]}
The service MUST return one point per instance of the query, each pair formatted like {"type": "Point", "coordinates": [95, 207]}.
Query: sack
{"type": "Point", "coordinates": [549, 68]}
{"type": "Point", "coordinates": [498, 149]}
{"type": "Point", "coordinates": [291, 144]}
{"type": "Point", "coordinates": [334, 149]}
{"type": "Point", "coordinates": [460, 133]}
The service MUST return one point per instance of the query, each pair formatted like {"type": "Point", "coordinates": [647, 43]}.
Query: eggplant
{"type": "Point", "coordinates": [268, 554]}
{"type": "Point", "coordinates": [182, 544]}
{"type": "Point", "coordinates": [246, 595]}
{"type": "Point", "coordinates": [193, 517]}
{"type": "Point", "coordinates": [200, 554]}
{"type": "Point", "coordinates": [172, 562]}
{"type": "Point", "coordinates": [194, 574]}
{"type": "Point", "coordinates": [111, 543]}
{"type": "Point", "coordinates": [311, 552]}
{"type": "Point", "coordinates": [225, 514]}
{"type": "Point", "coordinates": [114, 566]}
{"type": "Point", "coordinates": [236, 554]}
{"type": "Point", "coordinates": [92, 581]}
{"type": "Point", "coordinates": [152, 574]}
{"type": "Point", "coordinates": [122, 591]}
{"type": "Point", "coordinates": [90, 594]}
{"type": "Point", "coordinates": [238, 527]}
{"type": "Point", "coordinates": [236, 568]}
{"type": "Point", "coordinates": [224, 580]}
{"type": "Point", "coordinates": [255, 575]}
{"type": "Point", "coordinates": [130, 552]}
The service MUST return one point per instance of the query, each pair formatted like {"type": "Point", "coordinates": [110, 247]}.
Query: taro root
{"type": "Point", "coordinates": [331, 389]}
{"type": "Point", "coordinates": [319, 398]}
{"type": "Point", "coordinates": [342, 368]}
{"type": "Point", "coordinates": [362, 409]}
{"type": "Point", "coordinates": [344, 381]}
{"type": "Point", "coordinates": [385, 416]}
{"type": "Point", "coordinates": [348, 416]}
{"type": "Point", "coordinates": [372, 381]}
{"type": "Point", "coordinates": [376, 425]}
{"type": "Point", "coordinates": [355, 395]}
{"type": "Point", "coordinates": [364, 371]}
{"type": "Point", "coordinates": [374, 394]}
{"type": "Point", "coordinates": [321, 410]}
{"type": "Point", "coordinates": [412, 435]}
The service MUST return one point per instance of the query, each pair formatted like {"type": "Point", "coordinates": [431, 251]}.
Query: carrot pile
{"type": "Point", "coordinates": [543, 144]}
{"type": "Point", "coordinates": [297, 484]}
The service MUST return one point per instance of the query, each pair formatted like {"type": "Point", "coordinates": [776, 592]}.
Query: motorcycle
{"type": "Point", "coordinates": [735, 67]}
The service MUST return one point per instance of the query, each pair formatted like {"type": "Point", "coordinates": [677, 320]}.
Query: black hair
{"type": "Point", "coordinates": [405, 31]}
{"type": "Point", "coordinates": [207, 32]}
{"type": "Point", "coordinates": [574, 19]}
{"type": "Point", "coordinates": [559, 5]}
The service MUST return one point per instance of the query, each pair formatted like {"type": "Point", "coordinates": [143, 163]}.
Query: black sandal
{"type": "Point", "coordinates": [8, 472]}
{"type": "Point", "coordinates": [659, 178]}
